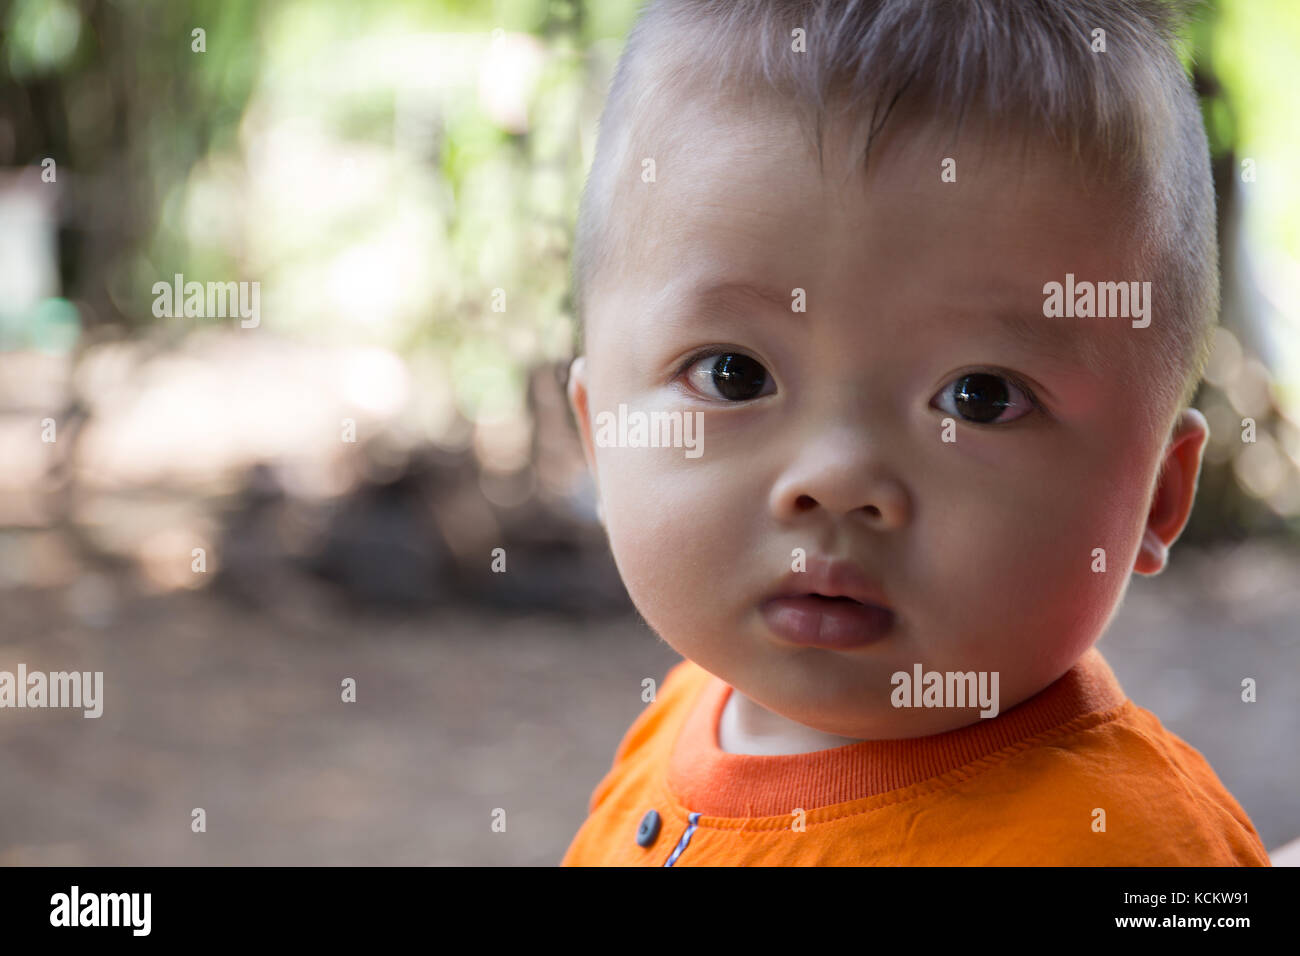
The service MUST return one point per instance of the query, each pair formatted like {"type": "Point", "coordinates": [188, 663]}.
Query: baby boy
{"type": "Point", "coordinates": [934, 284]}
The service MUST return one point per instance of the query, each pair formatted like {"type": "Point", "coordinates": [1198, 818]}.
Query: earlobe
{"type": "Point", "coordinates": [1175, 492]}
{"type": "Point", "coordinates": [1152, 555]}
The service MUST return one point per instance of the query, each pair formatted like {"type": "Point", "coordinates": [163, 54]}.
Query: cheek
{"type": "Point", "coordinates": [678, 532]}
{"type": "Point", "coordinates": [1020, 565]}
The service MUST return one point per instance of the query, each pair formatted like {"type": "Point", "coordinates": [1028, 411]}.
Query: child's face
{"type": "Point", "coordinates": [984, 546]}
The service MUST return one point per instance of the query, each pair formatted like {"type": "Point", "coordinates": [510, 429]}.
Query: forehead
{"type": "Point", "coordinates": [739, 196]}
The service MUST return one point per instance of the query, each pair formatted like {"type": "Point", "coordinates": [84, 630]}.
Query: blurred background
{"type": "Point", "coordinates": [183, 506]}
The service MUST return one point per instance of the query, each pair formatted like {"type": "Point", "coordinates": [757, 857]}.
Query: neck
{"type": "Point", "coordinates": [750, 728]}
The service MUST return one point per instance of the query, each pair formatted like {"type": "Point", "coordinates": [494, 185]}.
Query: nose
{"type": "Point", "coordinates": [843, 475]}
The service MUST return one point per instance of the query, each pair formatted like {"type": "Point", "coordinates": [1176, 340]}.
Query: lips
{"type": "Point", "coordinates": [833, 605]}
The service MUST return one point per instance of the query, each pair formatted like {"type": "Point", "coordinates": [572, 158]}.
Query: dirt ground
{"type": "Point", "coordinates": [461, 712]}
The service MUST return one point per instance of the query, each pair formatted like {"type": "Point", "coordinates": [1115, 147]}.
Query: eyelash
{"type": "Point", "coordinates": [1016, 380]}
{"type": "Point", "coordinates": [708, 352]}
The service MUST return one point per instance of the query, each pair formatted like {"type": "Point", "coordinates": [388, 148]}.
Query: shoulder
{"type": "Point", "coordinates": [1125, 792]}
{"type": "Point", "coordinates": [673, 697]}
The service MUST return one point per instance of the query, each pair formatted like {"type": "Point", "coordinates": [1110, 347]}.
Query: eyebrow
{"type": "Point", "coordinates": [1055, 338]}
{"type": "Point", "coordinates": [725, 293]}
{"type": "Point", "coordinates": [1062, 340]}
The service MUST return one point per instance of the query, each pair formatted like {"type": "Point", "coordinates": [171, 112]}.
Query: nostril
{"type": "Point", "coordinates": [805, 502]}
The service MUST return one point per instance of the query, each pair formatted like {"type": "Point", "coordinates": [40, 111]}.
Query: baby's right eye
{"type": "Point", "coordinates": [731, 376]}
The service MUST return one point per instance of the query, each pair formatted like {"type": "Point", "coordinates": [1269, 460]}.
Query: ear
{"type": "Point", "coordinates": [1175, 492]}
{"type": "Point", "coordinates": [577, 392]}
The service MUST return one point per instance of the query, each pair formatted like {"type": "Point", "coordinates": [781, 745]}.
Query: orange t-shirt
{"type": "Point", "coordinates": [1019, 789]}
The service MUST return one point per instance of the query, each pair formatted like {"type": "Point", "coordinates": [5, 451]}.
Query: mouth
{"type": "Point", "coordinates": [835, 622]}
{"type": "Point", "coordinates": [832, 603]}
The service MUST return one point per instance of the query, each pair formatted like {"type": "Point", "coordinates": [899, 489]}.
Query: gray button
{"type": "Point", "coordinates": [649, 829]}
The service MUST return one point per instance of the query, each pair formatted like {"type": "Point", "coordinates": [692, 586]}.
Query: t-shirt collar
{"type": "Point", "coordinates": [710, 781]}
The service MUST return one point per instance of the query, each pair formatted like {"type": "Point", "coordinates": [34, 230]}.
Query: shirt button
{"type": "Point", "coordinates": [649, 829]}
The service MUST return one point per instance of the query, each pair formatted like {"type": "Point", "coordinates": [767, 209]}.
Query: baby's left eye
{"type": "Point", "coordinates": [982, 398]}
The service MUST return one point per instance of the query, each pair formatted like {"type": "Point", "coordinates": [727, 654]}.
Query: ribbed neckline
{"type": "Point", "coordinates": [710, 781]}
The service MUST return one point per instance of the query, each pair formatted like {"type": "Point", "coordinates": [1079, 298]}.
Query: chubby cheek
{"type": "Point", "coordinates": [681, 538]}
{"type": "Point", "coordinates": [1022, 573]}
